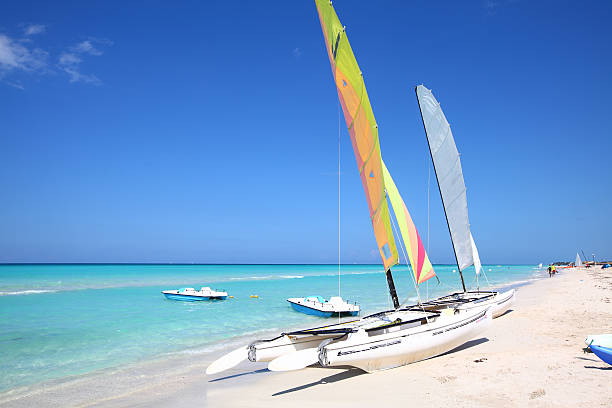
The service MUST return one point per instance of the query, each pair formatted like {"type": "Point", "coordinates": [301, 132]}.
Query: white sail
{"type": "Point", "coordinates": [447, 166]}
{"type": "Point", "coordinates": [477, 264]}
{"type": "Point", "coordinates": [578, 260]}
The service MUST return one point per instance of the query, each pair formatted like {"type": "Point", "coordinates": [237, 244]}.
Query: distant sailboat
{"type": "Point", "coordinates": [447, 167]}
{"type": "Point", "coordinates": [578, 261]}
{"type": "Point", "coordinates": [390, 338]}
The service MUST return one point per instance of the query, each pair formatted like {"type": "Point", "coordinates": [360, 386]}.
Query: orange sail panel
{"type": "Point", "coordinates": [421, 266]}
{"type": "Point", "coordinates": [361, 125]}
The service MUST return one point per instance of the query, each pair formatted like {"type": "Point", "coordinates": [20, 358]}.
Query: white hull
{"type": "Point", "coordinates": [504, 301]}
{"type": "Point", "coordinates": [389, 349]}
{"type": "Point", "coordinates": [266, 351]}
{"type": "Point", "coordinates": [499, 304]}
{"type": "Point", "coordinates": [394, 338]}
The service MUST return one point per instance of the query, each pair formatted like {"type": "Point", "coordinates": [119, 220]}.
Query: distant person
{"type": "Point", "coordinates": [554, 269]}
{"type": "Point", "coordinates": [549, 272]}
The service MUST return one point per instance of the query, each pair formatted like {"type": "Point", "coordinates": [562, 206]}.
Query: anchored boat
{"type": "Point", "coordinates": [317, 306]}
{"type": "Point", "coordinates": [390, 338]}
{"type": "Point", "coordinates": [192, 295]}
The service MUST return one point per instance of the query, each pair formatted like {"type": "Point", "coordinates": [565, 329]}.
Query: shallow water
{"type": "Point", "coordinates": [63, 320]}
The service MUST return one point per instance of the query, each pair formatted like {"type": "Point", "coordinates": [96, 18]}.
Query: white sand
{"type": "Point", "coordinates": [530, 357]}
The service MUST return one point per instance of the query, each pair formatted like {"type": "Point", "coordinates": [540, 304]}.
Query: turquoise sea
{"type": "Point", "coordinates": [63, 320]}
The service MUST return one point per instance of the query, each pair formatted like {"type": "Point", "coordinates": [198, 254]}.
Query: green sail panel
{"type": "Point", "coordinates": [362, 127]}
{"type": "Point", "coordinates": [421, 266]}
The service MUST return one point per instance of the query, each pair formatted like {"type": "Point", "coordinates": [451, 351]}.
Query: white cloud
{"type": "Point", "coordinates": [34, 29]}
{"type": "Point", "coordinates": [70, 61]}
{"type": "Point", "coordinates": [297, 53]}
{"type": "Point", "coordinates": [70, 64]}
{"type": "Point", "coordinates": [86, 47]}
{"type": "Point", "coordinates": [16, 56]}
{"type": "Point", "coordinates": [16, 84]}
{"type": "Point", "coordinates": [19, 55]}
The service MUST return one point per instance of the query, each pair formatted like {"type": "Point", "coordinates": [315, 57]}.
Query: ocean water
{"type": "Point", "coordinates": [63, 320]}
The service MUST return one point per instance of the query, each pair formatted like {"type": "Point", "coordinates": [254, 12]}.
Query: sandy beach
{"type": "Point", "coordinates": [532, 356]}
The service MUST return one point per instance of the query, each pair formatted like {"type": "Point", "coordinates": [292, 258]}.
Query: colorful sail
{"type": "Point", "coordinates": [447, 165]}
{"type": "Point", "coordinates": [361, 125]}
{"type": "Point", "coordinates": [421, 266]}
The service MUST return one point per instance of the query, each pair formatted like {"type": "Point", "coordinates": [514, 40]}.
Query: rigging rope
{"type": "Point", "coordinates": [339, 204]}
{"type": "Point", "coordinates": [428, 182]}
{"type": "Point", "coordinates": [416, 286]}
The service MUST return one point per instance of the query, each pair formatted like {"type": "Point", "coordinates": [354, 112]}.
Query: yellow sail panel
{"type": "Point", "coordinates": [421, 266]}
{"type": "Point", "coordinates": [361, 125]}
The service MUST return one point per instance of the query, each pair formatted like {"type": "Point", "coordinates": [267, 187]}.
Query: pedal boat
{"type": "Point", "coordinates": [317, 306]}
{"type": "Point", "coordinates": [192, 295]}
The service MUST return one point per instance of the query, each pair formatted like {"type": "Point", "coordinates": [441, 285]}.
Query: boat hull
{"type": "Point", "coordinates": [266, 351]}
{"type": "Point", "coordinates": [604, 353]}
{"type": "Point", "coordinates": [309, 311]}
{"type": "Point", "coordinates": [499, 304]}
{"type": "Point", "coordinates": [191, 298]}
{"type": "Point", "coordinates": [503, 303]}
{"type": "Point", "coordinates": [402, 347]}
{"type": "Point", "coordinates": [314, 312]}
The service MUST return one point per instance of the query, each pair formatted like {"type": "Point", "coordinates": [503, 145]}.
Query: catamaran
{"type": "Point", "coordinates": [447, 167]}
{"type": "Point", "coordinates": [390, 338]}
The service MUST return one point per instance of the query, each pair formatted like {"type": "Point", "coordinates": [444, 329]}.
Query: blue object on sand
{"type": "Point", "coordinates": [605, 266]}
{"type": "Point", "coordinates": [604, 353]}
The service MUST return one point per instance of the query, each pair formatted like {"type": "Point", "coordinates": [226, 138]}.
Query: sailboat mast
{"type": "Point", "coordinates": [392, 290]}
{"type": "Point", "coordinates": [440, 190]}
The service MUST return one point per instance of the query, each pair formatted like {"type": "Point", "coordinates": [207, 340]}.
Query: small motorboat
{"type": "Point", "coordinates": [192, 295]}
{"type": "Point", "coordinates": [317, 306]}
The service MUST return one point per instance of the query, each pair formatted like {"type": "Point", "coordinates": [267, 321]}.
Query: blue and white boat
{"type": "Point", "coordinates": [601, 346]}
{"type": "Point", "coordinates": [192, 295]}
{"type": "Point", "coordinates": [317, 306]}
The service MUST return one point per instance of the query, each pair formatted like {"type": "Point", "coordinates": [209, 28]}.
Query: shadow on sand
{"type": "Point", "coordinates": [466, 345]}
{"type": "Point", "coordinates": [599, 368]}
{"type": "Point", "coordinates": [263, 370]}
{"type": "Point", "coordinates": [587, 359]}
{"type": "Point", "coordinates": [349, 373]}
{"type": "Point", "coordinates": [505, 313]}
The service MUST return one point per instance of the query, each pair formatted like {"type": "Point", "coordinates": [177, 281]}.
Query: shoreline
{"type": "Point", "coordinates": [205, 354]}
{"type": "Point", "coordinates": [203, 345]}
{"type": "Point", "coordinates": [154, 380]}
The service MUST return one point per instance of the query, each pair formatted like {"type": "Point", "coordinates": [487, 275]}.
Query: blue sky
{"type": "Point", "coordinates": [207, 132]}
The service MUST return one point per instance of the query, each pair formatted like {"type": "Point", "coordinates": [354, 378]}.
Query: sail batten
{"type": "Point", "coordinates": [421, 265]}
{"type": "Point", "coordinates": [362, 127]}
{"type": "Point", "coordinates": [447, 165]}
